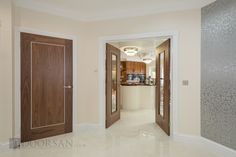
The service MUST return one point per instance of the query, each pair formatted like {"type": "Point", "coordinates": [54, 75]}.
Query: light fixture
{"type": "Point", "coordinates": [147, 60]}
{"type": "Point", "coordinates": [130, 50]}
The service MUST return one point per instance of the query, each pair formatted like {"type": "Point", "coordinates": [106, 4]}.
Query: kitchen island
{"type": "Point", "coordinates": [137, 96]}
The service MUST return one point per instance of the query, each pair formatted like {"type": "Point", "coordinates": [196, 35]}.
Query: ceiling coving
{"type": "Point", "coordinates": [91, 10]}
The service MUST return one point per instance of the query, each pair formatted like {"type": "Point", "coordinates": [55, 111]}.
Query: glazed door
{"type": "Point", "coordinates": [163, 86]}
{"type": "Point", "coordinates": [112, 85]}
{"type": "Point", "coordinates": [46, 86]}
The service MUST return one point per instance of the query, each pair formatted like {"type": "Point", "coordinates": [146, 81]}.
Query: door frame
{"type": "Point", "coordinates": [174, 36]}
{"type": "Point", "coordinates": [17, 75]}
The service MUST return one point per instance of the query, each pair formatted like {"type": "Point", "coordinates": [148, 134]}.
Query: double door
{"type": "Point", "coordinates": [162, 105]}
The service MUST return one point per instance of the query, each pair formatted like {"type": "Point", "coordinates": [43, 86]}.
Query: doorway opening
{"type": "Point", "coordinates": [138, 82]}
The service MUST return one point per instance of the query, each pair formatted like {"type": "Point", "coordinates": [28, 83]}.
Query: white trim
{"type": "Point", "coordinates": [214, 147]}
{"type": "Point", "coordinates": [87, 126]}
{"type": "Point", "coordinates": [4, 146]}
{"type": "Point", "coordinates": [218, 148]}
{"type": "Point", "coordinates": [186, 138]}
{"type": "Point", "coordinates": [17, 66]}
{"type": "Point", "coordinates": [174, 71]}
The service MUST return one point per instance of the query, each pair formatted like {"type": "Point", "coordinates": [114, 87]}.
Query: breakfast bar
{"type": "Point", "coordinates": [135, 97]}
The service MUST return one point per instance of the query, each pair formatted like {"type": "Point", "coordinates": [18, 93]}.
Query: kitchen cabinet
{"type": "Point", "coordinates": [134, 67]}
{"type": "Point", "coordinates": [143, 68]}
{"type": "Point", "coordinates": [128, 67]}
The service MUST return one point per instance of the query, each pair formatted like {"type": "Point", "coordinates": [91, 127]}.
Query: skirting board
{"type": "Point", "coordinates": [4, 146]}
{"type": "Point", "coordinates": [216, 148]}
{"type": "Point", "coordinates": [82, 126]}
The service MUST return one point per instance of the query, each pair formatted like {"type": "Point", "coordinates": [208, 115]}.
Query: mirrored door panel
{"type": "Point", "coordinates": [114, 83]}
{"type": "Point", "coordinates": [162, 81]}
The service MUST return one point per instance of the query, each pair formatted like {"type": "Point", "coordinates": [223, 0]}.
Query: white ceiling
{"type": "Point", "coordinates": [89, 10]}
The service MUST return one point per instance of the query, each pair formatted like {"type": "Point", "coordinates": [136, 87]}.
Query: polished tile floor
{"type": "Point", "coordinates": [135, 135]}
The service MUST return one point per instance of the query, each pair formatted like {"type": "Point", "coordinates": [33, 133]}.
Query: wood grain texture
{"type": "Point", "coordinates": [163, 121]}
{"type": "Point", "coordinates": [48, 99]}
{"type": "Point", "coordinates": [129, 67]}
{"type": "Point", "coordinates": [111, 118]}
{"type": "Point", "coordinates": [46, 66]}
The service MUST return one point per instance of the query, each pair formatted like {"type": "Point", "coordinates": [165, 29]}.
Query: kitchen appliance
{"type": "Point", "coordinates": [129, 77]}
{"type": "Point", "coordinates": [142, 78]}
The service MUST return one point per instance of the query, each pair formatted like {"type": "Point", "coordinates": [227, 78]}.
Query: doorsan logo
{"type": "Point", "coordinates": [44, 144]}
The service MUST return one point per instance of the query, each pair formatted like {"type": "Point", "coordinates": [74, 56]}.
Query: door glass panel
{"type": "Point", "coordinates": [114, 84]}
{"type": "Point", "coordinates": [162, 61]}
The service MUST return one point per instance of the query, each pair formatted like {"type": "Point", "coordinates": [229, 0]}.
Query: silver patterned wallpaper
{"type": "Point", "coordinates": [218, 72]}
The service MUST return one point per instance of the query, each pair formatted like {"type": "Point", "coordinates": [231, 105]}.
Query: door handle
{"type": "Point", "coordinates": [68, 87]}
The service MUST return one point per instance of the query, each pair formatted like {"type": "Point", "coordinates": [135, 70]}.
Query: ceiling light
{"type": "Point", "coordinates": [130, 50]}
{"type": "Point", "coordinates": [147, 60]}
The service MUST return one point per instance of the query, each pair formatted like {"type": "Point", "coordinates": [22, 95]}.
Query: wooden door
{"type": "Point", "coordinates": [46, 86]}
{"type": "Point", "coordinates": [163, 86]}
{"type": "Point", "coordinates": [112, 85]}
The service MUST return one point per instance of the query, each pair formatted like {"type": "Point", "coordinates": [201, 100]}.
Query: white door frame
{"type": "Point", "coordinates": [17, 72]}
{"type": "Point", "coordinates": [173, 72]}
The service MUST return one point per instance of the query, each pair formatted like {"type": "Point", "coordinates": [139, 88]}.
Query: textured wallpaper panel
{"type": "Point", "coordinates": [218, 72]}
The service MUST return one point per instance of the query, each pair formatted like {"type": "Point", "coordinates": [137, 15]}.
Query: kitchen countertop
{"type": "Point", "coordinates": [135, 84]}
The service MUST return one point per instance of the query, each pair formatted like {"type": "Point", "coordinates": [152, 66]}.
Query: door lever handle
{"type": "Point", "coordinates": [68, 87]}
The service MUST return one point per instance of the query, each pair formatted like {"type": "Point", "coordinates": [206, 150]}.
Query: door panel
{"type": "Point", "coordinates": [46, 86]}
{"type": "Point", "coordinates": [163, 86]}
{"type": "Point", "coordinates": [112, 85]}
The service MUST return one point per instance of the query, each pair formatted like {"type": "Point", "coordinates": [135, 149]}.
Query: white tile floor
{"type": "Point", "coordinates": [135, 135]}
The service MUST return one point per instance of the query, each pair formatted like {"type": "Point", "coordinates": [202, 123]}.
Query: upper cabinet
{"type": "Point", "coordinates": [143, 68]}
{"type": "Point", "coordinates": [133, 67]}
{"type": "Point", "coordinates": [128, 67]}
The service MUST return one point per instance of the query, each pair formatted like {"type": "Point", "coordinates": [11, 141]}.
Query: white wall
{"type": "Point", "coordinates": [188, 25]}
{"type": "Point", "coordinates": [6, 98]}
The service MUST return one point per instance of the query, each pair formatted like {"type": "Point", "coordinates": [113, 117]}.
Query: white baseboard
{"type": "Point", "coordinates": [216, 148]}
{"type": "Point", "coordinates": [4, 146]}
{"type": "Point", "coordinates": [81, 126]}
{"type": "Point", "coordinates": [89, 125]}
{"type": "Point", "coordinates": [186, 138]}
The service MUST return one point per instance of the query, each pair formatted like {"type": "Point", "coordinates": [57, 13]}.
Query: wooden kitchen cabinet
{"type": "Point", "coordinates": [134, 67]}
{"type": "Point", "coordinates": [129, 67]}
{"type": "Point", "coordinates": [143, 68]}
